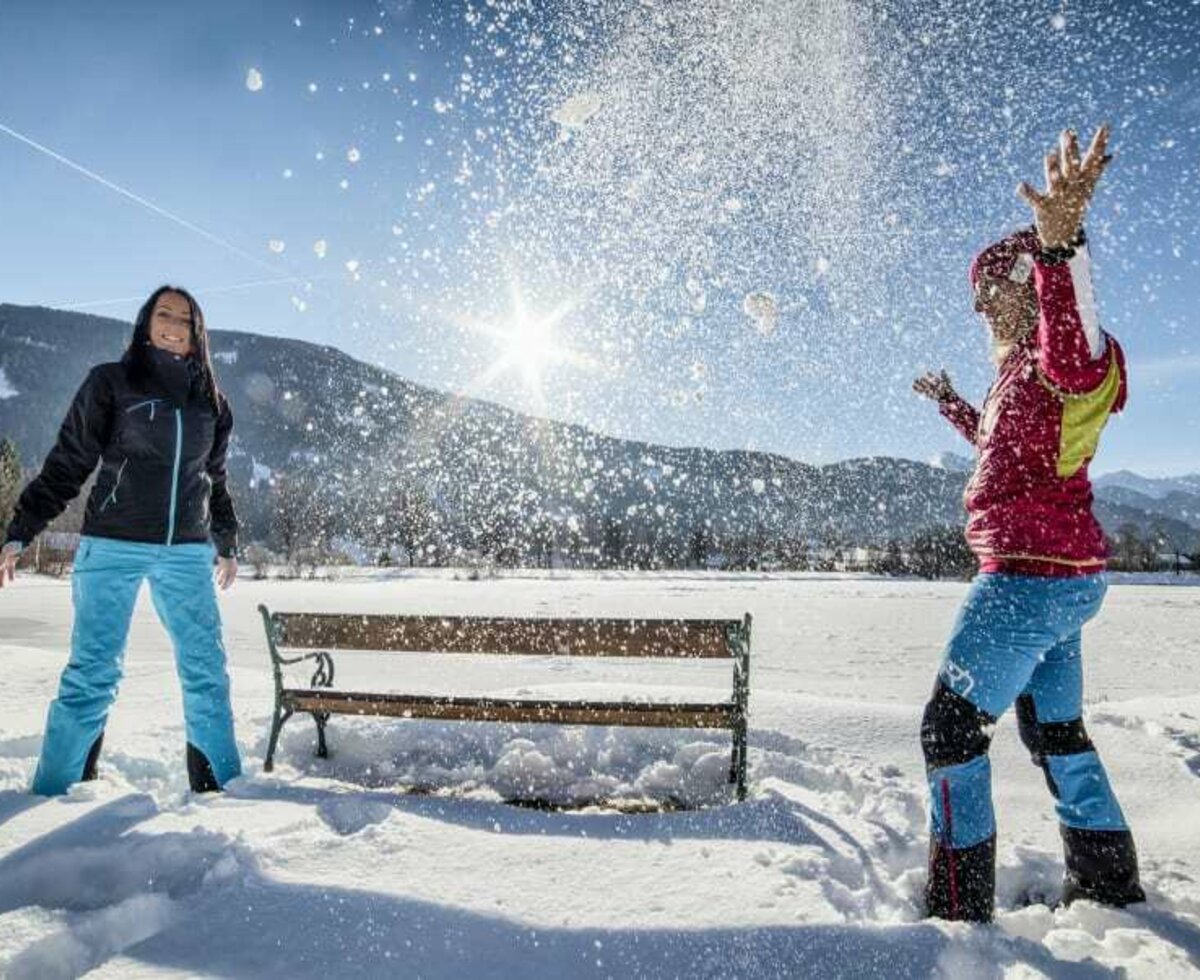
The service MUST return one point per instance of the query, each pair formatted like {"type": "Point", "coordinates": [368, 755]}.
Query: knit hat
{"type": "Point", "coordinates": [1009, 258]}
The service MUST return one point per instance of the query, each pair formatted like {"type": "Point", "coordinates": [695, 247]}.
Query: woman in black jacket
{"type": "Point", "coordinates": [159, 427]}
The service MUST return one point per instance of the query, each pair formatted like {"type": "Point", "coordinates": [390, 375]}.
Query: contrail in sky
{"type": "Point", "coordinates": [210, 291]}
{"type": "Point", "coordinates": [149, 205]}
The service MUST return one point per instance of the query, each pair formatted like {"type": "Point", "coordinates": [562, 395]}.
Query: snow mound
{"type": "Point", "coordinates": [547, 765]}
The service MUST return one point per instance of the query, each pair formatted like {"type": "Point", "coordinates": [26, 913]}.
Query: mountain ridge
{"type": "Point", "coordinates": [366, 445]}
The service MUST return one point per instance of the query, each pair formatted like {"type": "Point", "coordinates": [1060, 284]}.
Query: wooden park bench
{"type": "Point", "coordinates": [318, 634]}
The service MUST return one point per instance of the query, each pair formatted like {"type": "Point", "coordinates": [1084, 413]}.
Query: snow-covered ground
{"type": "Point", "coordinates": [399, 857]}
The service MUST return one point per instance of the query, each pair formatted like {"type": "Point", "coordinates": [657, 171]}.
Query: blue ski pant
{"type": "Point", "coordinates": [1016, 640]}
{"type": "Point", "coordinates": [104, 586]}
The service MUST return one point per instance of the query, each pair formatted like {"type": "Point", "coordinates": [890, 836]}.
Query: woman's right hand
{"type": "Point", "coordinates": [8, 561]}
{"type": "Point", "coordinates": [936, 386]}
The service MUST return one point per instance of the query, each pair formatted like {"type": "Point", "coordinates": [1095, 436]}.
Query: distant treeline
{"type": "Point", "coordinates": [299, 522]}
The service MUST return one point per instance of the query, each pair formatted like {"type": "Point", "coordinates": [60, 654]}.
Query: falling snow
{"type": "Point", "coordinates": [763, 310]}
{"type": "Point", "coordinates": [577, 110]}
{"type": "Point", "coordinates": [688, 223]}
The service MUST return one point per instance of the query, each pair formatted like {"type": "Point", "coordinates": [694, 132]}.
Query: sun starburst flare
{"type": "Point", "coordinates": [528, 343]}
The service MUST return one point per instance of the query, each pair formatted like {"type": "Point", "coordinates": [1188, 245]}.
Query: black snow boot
{"type": "Point", "coordinates": [92, 760]}
{"type": "Point", "coordinates": [962, 882]}
{"type": "Point", "coordinates": [200, 773]}
{"type": "Point", "coordinates": [1102, 866]}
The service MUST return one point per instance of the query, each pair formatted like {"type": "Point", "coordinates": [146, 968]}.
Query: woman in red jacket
{"type": "Point", "coordinates": [1041, 553]}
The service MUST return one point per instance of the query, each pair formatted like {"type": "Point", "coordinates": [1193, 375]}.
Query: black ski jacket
{"type": "Point", "coordinates": [162, 465]}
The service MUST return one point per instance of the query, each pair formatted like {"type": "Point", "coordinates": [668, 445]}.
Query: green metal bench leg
{"type": "Point", "coordinates": [737, 760]}
{"type": "Point", "coordinates": [738, 639]}
{"type": "Point", "coordinates": [276, 727]}
{"type": "Point", "coordinates": [739, 736]}
{"type": "Point", "coordinates": [322, 749]}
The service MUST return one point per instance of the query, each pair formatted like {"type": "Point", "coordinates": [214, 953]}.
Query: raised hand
{"type": "Point", "coordinates": [1070, 183]}
{"type": "Point", "coordinates": [936, 386]}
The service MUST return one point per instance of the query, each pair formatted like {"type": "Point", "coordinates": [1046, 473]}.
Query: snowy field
{"type": "Point", "coordinates": [399, 856]}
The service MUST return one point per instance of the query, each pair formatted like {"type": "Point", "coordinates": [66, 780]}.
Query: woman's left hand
{"type": "Point", "coordinates": [226, 572]}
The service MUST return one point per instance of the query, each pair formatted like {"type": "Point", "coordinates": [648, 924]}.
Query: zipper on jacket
{"type": "Point", "coordinates": [112, 496]}
{"type": "Point", "coordinates": [175, 473]}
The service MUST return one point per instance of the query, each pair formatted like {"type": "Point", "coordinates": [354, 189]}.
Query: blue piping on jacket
{"type": "Point", "coordinates": [175, 473]}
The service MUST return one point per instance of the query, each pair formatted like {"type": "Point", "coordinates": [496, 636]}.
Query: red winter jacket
{"type": "Point", "coordinates": [1029, 501]}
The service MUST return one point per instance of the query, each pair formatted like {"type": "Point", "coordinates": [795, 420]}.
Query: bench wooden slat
{"type": "Point", "coordinates": [624, 713]}
{"type": "Point", "coordinates": [691, 639]}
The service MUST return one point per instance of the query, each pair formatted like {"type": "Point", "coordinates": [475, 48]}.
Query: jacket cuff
{"type": "Point", "coordinates": [227, 546]}
{"type": "Point", "coordinates": [18, 533]}
{"type": "Point", "coordinates": [1060, 256]}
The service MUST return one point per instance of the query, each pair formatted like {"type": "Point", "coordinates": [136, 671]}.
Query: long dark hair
{"type": "Point", "coordinates": [137, 357]}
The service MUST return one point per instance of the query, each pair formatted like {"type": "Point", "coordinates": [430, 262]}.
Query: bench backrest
{"type": "Point", "coordinates": [678, 638]}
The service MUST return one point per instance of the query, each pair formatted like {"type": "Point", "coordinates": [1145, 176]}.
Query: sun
{"type": "Point", "coordinates": [527, 342]}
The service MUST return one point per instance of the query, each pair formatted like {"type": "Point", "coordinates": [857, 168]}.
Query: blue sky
{"type": "Point", "coordinates": [631, 172]}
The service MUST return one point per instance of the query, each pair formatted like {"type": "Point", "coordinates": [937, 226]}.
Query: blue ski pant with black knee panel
{"type": "Point", "coordinates": [1017, 640]}
{"type": "Point", "coordinates": [107, 576]}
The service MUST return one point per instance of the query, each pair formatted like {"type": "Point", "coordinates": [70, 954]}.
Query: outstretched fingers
{"type": "Point", "coordinates": [1097, 149]}
{"type": "Point", "coordinates": [1070, 182]}
{"type": "Point", "coordinates": [1033, 197]}
{"type": "Point", "coordinates": [1054, 172]}
{"type": "Point", "coordinates": [1068, 151]}
{"type": "Point", "coordinates": [935, 385]}
{"type": "Point", "coordinates": [1097, 157]}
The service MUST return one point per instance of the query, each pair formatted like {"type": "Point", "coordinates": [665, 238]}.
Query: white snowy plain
{"type": "Point", "coordinates": [398, 856]}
